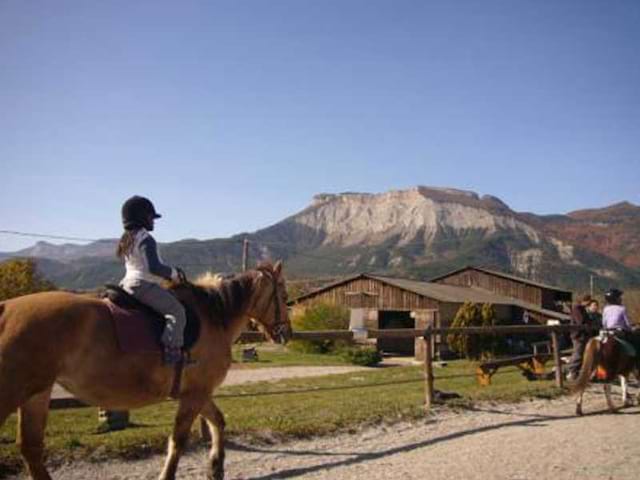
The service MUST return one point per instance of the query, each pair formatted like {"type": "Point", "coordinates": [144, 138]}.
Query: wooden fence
{"type": "Point", "coordinates": [552, 330]}
{"type": "Point", "coordinates": [426, 335]}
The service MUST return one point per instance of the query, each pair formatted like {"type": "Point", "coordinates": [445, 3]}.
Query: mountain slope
{"type": "Point", "coordinates": [613, 231]}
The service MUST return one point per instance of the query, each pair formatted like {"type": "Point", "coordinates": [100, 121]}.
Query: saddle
{"type": "Point", "coordinates": [139, 328]}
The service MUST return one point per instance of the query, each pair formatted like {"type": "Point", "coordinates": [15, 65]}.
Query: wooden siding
{"type": "Point", "coordinates": [495, 284]}
{"type": "Point", "coordinates": [370, 293]}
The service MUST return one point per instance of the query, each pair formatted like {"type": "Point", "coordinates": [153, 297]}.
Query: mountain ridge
{"type": "Point", "coordinates": [418, 232]}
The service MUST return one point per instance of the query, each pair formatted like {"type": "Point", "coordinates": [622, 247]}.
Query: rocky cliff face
{"type": "Point", "coordinates": [418, 215]}
{"type": "Point", "coordinates": [426, 230]}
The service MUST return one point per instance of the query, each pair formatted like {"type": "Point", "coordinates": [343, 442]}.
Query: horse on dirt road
{"type": "Point", "coordinates": [607, 358]}
{"type": "Point", "coordinates": [70, 338]}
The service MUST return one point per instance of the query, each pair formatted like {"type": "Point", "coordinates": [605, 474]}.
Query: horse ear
{"type": "Point", "coordinates": [277, 268]}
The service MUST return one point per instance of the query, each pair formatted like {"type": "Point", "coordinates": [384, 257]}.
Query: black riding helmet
{"type": "Point", "coordinates": [613, 296]}
{"type": "Point", "coordinates": [138, 212]}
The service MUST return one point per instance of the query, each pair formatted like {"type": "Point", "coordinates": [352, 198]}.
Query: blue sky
{"type": "Point", "coordinates": [231, 115]}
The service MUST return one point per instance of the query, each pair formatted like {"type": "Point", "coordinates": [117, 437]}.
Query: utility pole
{"type": "Point", "coordinates": [245, 254]}
{"type": "Point", "coordinates": [591, 284]}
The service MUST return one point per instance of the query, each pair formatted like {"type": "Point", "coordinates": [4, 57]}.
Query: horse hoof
{"type": "Point", "coordinates": [578, 411]}
{"type": "Point", "coordinates": [217, 472]}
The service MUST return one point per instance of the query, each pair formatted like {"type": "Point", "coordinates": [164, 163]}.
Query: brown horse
{"type": "Point", "coordinates": [70, 338]}
{"type": "Point", "coordinates": [606, 357]}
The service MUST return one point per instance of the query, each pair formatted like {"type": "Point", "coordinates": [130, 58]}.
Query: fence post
{"type": "Point", "coordinates": [428, 370]}
{"type": "Point", "coordinates": [556, 359]}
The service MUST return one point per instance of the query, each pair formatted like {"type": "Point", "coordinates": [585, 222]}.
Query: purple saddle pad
{"type": "Point", "coordinates": [136, 330]}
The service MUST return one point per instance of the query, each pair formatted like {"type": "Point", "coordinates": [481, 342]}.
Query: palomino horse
{"type": "Point", "coordinates": [69, 338]}
{"type": "Point", "coordinates": [608, 357]}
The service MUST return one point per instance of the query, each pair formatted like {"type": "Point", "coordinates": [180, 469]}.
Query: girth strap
{"type": "Point", "coordinates": [177, 379]}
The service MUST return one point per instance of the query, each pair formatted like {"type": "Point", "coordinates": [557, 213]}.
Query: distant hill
{"type": "Point", "coordinates": [419, 232]}
{"type": "Point", "coordinates": [612, 231]}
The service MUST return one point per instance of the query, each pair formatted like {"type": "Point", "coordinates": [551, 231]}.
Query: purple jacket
{"type": "Point", "coordinates": [615, 317]}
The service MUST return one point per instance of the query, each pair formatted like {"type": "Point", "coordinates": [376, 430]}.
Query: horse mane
{"type": "Point", "coordinates": [225, 297]}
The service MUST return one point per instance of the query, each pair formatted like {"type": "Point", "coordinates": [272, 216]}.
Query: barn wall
{"type": "Point", "coordinates": [493, 283]}
{"type": "Point", "coordinates": [370, 294]}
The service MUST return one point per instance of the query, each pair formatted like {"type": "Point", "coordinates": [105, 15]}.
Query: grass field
{"type": "Point", "coordinates": [274, 355]}
{"type": "Point", "coordinates": [288, 408]}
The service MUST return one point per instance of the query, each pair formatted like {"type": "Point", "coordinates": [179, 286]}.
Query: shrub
{"type": "Point", "coordinates": [321, 316]}
{"type": "Point", "coordinates": [475, 347]}
{"type": "Point", "coordinates": [366, 356]}
{"type": "Point", "coordinates": [20, 277]}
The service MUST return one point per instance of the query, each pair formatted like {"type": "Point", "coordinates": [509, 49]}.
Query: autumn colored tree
{"type": "Point", "coordinates": [20, 277]}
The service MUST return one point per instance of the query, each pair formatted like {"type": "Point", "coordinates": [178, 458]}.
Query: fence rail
{"type": "Point", "coordinates": [552, 330]}
{"type": "Point", "coordinates": [416, 333]}
{"type": "Point", "coordinates": [426, 335]}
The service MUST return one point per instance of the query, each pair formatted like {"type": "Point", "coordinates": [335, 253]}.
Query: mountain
{"type": "Point", "coordinates": [69, 251]}
{"type": "Point", "coordinates": [613, 231]}
{"type": "Point", "coordinates": [420, 232]}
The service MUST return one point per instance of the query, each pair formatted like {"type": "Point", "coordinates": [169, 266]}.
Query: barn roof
{"type": "Point", "coordinates": [440, 292]}
{"type": "Point", "coordinates": [503, 275]}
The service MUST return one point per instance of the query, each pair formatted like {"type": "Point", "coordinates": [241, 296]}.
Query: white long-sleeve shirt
{"type": "Point", "coordinates": [143, 263]}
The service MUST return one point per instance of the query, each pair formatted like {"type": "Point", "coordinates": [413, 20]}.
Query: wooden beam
{"type": "Point", "coordinates": [428, 371]}
{"type": "Point", "coordinates": [556, 360]}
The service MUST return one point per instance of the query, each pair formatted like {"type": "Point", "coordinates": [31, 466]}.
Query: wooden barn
{"type": "Point", "coordinates": [380, 302]}
{"type": "Point", "coordinates": [545, 297]}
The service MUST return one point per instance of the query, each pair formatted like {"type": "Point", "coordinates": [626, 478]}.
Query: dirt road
{"type": "Point", "coordinates": [533, 440]}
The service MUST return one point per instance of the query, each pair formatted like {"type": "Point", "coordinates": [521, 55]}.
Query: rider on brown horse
{"type": "Point", "coordinates": [143, 266]}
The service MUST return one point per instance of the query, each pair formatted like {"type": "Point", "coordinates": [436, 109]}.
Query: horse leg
{"type": "Point", "coordinates": [215, 421]}
{"type": "Point", "coordinates": [32, 420]}
{"type": "Point", "coordinates": [607, 394]}
{"type": "Point", "coordinates": [579, 403]}
{"type": "Point", "coordinates": [624, 385]}
{"type": "Point", "coordinates": [188, 409]}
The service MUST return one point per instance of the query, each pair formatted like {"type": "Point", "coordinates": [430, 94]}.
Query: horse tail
{"type": "Point", "coordinates": [589, 364]}
{"type": "Point", "coordinates": [1, 312]}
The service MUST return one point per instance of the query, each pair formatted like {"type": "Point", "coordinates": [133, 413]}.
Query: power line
{"type": "Point", "coordinates": [45, 235]}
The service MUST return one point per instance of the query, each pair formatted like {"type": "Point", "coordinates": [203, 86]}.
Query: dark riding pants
{"type": "Point", "coordinates": [575, 362]}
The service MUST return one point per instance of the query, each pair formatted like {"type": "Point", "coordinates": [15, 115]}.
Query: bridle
{"type": "Point", "coordinates": [279, 327]}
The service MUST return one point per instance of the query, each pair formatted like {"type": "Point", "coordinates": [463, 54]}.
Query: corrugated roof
{"type": "Point", "coordinates": [504, 275]}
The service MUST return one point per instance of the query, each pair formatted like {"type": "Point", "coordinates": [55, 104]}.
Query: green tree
{"type": "Point", "coordinates": [321, 316]}
{"type": "Point", "coordinates": [20, 277]}
{"type": "Point", "coordinates": [475, 347]}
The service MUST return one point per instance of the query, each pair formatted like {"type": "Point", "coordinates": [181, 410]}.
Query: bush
{"type": "Point", "coordinates": [321, 316]}
{"type": "Point", "coordinates": [365, 356]}
{"type": "Point", "coordinates": [475, 347]}
{"type": "Point", "coordinates": [20, 277]}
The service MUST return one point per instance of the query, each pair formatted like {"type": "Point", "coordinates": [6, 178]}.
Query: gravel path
{"type": "Point", "coordinates": [237, 376]}
{"type": "Point", "coordinates": [532, 440]}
